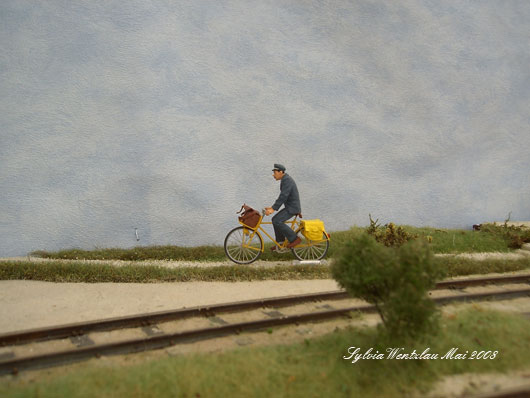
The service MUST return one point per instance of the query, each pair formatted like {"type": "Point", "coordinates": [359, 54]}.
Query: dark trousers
{"type": "Point", "coordinates": [281, 229]}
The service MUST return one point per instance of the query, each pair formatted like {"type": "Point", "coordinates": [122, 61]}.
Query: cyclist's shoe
{"type": "Point", "coordinates": [274, 249]}
{"type": "Point", "coordinates": [295, 242]}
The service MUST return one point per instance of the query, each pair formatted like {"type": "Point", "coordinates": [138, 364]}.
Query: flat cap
{"type": "Point", "coordinates": [279, 167]}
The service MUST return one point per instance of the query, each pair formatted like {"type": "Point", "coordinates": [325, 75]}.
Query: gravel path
{"type": "Point", "coordinates": [32, 304]}
{"type": "Point", "coordinates": [160, 263]}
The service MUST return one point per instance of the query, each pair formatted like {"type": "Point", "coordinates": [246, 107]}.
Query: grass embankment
{"type": "Point", "coordinates": [312, 368]}
{"type": "Point", "coordinates": [56, 271]}
{"type": "Point", "coordinates": [443, 241]}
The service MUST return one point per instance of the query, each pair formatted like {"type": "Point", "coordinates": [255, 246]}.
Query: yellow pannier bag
{"type": "Point", "coordinates": [313, 229]}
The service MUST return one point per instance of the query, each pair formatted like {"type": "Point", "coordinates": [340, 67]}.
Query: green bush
{"type": "Point", "coordinates": [395, 280]}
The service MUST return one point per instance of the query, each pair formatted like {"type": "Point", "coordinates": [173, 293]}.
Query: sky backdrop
{"type": "Point", "coordinates": [164, 117]}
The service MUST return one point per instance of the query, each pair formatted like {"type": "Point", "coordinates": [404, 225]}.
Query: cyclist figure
{"type": "Point", "coordinates": [290, 198]}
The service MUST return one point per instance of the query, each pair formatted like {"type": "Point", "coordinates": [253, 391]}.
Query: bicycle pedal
{"type": "Point", "coordinates": [282, 250]}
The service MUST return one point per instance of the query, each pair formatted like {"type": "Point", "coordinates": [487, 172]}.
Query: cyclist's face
{"type": "Point", "coordinates": [277, 174]}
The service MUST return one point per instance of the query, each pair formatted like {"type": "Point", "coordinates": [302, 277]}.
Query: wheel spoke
{"type": "Point", "coordinates": [311, 250]}
{"type": "Point", "coordinates": [242, 245]}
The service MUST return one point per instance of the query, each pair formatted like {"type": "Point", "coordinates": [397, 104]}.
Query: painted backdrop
{"type": "Point", "coordinates": [162, 117]}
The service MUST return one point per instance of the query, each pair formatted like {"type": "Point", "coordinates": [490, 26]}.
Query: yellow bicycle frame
{"type": "Point", "coordinates": [295, 226]}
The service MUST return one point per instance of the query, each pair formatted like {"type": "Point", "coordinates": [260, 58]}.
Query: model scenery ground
{"type": "Point", "coordinates": [284, 362]}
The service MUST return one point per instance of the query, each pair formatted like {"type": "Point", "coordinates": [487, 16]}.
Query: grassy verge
{"type": "Point", "coordinates": [443, 241]}
{"type": "Point", "coordinates": [462, 241]}
{"type": "Point", "coordinates": [314, 368]}
{"type": "Point", "coordinates": [56, 271]}
{"type": "Point", "coordinates": [89, 273]}
{"type": "Point", "coordinates": [462, 266]}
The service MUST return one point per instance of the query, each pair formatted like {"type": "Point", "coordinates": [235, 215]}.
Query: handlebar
{"type": "Point", "coordinates": [263, 213]}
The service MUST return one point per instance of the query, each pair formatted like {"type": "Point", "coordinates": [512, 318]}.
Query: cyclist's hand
{"type": "Point", "coordinates": [269, 211]}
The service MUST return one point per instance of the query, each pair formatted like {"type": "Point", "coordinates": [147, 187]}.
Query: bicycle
{"type": "Point", "coordinates": [244, 244]}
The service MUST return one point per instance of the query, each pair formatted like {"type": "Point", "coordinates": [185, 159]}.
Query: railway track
{"type": "Point", "coordinates": [44, 347]}
{"type": "Point", "coordinates": [520, 392]}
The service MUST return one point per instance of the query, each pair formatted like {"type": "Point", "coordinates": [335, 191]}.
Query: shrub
{"type": "Point", "coordinates": [395, 280]}
{"type": "Point", "coordinates": [515, 236]}
{"type": "Point", "coordinates": [389, 235]}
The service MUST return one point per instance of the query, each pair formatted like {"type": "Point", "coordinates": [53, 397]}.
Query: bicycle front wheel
{"type": "Point", "coordinates": [243, 245]}
{"type": "Point", "coordinates": [311, 249]}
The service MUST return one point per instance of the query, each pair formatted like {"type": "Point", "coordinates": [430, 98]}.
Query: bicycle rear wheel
{"type": "Point", "coordinates": [243, 245]}
{"type": "Point", "coordinates": [311, 249]}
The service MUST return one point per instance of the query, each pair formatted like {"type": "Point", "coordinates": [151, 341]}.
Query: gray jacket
{"type": "Point", "coordinates": [289, 196]}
